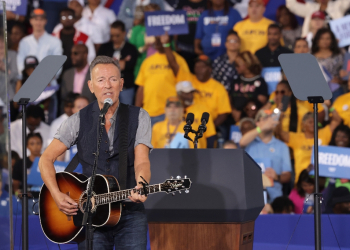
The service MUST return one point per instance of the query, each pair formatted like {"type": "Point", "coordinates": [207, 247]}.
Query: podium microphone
{"type": "Point", "coordinates": [107, 103]}
{"type": "Point", "coordinates": [202, 128]}
{"type": "Point", "coordinates": [188, 127]}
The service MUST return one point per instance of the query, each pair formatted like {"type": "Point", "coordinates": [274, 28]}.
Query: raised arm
{"type": "Point", "coordinates": [164, 39]}
{"type": "Point", "coordinates": [299, 9]}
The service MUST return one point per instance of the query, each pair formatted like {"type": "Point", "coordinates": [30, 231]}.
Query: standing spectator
{"type": "Point", "coordinates": [224, 70]}
{"type": "Point", "coordinates": [76, 78]}
{"type": "Point", "coordinates": [290, 27]}
{"type": "Point", "coordinates": [69, 36]}
{"type": "Point", "coordinates": [250, 84]}
{"type": "Point", "coordinates": [325, 49]}
{"type": "Point", "coordinates": [268, 55]}
{"type": "Point", "coordinates": [342, 106]}
{"type": "Point", "coordinates": [318, 21]}
{"type": "Point", "coordinates": [100, 16]}
{"type": "Point", "coordinates": [334, 10]}
{"type": "Point", "coordinates": [52, 8]}
{"type": "Point", "coordinates": [300, 46]}
{"type": "Point", "coordinates": [184, 43]}
{"type": "Point", "coordinates": [34, 118]}
{"type": "Point", "coordinates": [156, 82]}
{"type": "Point", "coordinates": [212, 28]}
{"type": "Point", "coordinates": [126, 54]}
{"type": "Point", "coordinates": [16, 34]}
{"type": "Point", "coordinates": [341, 201]}
{"type": "Point", "coordinates": [263, 144]}
{"type": "Point", "coordinates": [253, 31]}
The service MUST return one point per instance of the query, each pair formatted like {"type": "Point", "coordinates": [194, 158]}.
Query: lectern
{"type": "Point", "coordinates": [225, 198]}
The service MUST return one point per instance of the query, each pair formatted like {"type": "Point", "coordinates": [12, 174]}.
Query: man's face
{"type": "Point", "coordinates": [246, 127]}
{"type": "Point", "coordinates": [117, 36]}
{"type": "Point", "coordinates": [174, 112]}
{"type": "Point", "coordinates": [256, 10]}
{"type": "Point", "coordinates": [187, 98]}
{"type": "Point", "coordinates": [38, 23]}
{"type": "Point", "coordinates": [106, 82]}
{"type": "Point", "coordinates": [202, 71]}
{"type": "Point", "coordinates": [301, 46]}
{"type": "Point", "coordinates": [16, 34]}
{"type": "Point", "coordinates": [232, 43]}
{"type": "Point", "coordinates": [33, 123]}
{"type": "Point", "coordinates": [68, 108]}
{"type": "Point", "coordinates": [34, 145]}
{"type": "Point", "coordinates": [317, 23]}
{"type": "Point", "coordinates": [79, 104]}
{"type": "Point", "coordinates": [67, 19]}
{"type": "Point", "coordinates": [76, 6]}
{"type": "Point", "coordinates": [78, 56]}
{"type": "Point", "coordinates": [274, 36]}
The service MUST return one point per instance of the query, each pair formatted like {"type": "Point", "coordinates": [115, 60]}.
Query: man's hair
{"type": "Point", "coordinates": [35, 111]}
{"type": "Point", "coordinates": [232, 32]}
{"type": "Point", "coordinates": [104, 60]}
{"type": "Point", "coordinates": [118, 25]}
{"type": "Point", "coordinates": [281, 203]}
{"type": "Point", "coordinates": [275, 26]}
{"type": "Point", "coordinates": [81, 97]}
{"type": "Point", "coordinates": [66, 9]}
{"type": "Point", "coordinates": [70, 98]}
{"type": "Point", "coordinates": [297, 40]}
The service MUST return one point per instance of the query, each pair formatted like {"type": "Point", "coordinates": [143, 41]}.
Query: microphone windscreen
{"type": "Point", "coordinates": [205, 116]}
{"type": "Point", "coordinates": [109, 101]}
{"type": "Point", "coordinates": [190, 118]}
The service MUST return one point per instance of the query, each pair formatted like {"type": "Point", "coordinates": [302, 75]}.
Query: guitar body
{"type": "Point", "coordinates": [61, 228]}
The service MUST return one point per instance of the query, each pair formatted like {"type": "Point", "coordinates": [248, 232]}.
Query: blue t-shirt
{"type": "Point", "coordinates": [278, 153]}
{"type": "Point", "coordinates": [215, 22]}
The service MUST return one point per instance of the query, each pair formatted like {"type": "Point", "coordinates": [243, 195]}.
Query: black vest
{"type": "Point", "coordinates": [87, 143]}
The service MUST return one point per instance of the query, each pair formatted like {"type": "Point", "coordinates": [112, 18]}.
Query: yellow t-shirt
{"type": "Point", "coordinates": [160, 133]}
{"type": "Point", "coordinates": [158, 81]}
{"type": "Point", "coordinates": [212, 92]}
{"type": "Point", "coordinates": [302, 148]}
{"type": "Point", "coordinates": [253, 35]}
{"type": "Point", "coordinates": [342, 106]}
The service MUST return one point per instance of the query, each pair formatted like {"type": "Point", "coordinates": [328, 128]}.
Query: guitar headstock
{"type": "Point", "coordinates": [176, 185]}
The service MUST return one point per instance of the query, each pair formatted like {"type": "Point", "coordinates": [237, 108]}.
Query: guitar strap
{"type": "Point", "coordinates": [73, 164]}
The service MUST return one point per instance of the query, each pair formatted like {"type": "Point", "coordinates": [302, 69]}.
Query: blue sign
{"type": "Point", "coordinates": [179, 141]}
{"type": "Point", "coordinates": [333, 161]}
{"type": "Point", "coordinates": [235, 134]}
{"type": "Point", "coordinates": [272, 76]}
{"type": "Point", "coordinates": [18, 7]}
{"type": "Point", "coordinates": [158, 22]}
{"type": "Point", "coordinates": [263, 163]}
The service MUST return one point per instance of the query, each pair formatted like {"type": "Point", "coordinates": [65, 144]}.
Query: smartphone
{"type": "Point", "coordinates": [285, 102]}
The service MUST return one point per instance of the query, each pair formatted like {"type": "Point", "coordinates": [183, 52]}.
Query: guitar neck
{"type": "Point", "coordinates": [106, 198]}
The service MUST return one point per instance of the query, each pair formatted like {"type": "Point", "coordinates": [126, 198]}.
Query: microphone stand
{"type": "Point", "coordinates": [198, 135]}
{"type": "Point", "coordinates": [87, 218]}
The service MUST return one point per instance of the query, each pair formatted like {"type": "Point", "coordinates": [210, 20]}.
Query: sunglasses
{"type": "Point", "coordinates": [232, 41]}
{"type": "Point", "coordinates": [70, 17]}
{"type": "Point", "coordinates": [282, 92]}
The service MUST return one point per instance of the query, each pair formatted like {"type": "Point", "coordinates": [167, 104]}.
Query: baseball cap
{"type": "Point", "coordinates": [37, 13]}
{"type": "Point", "coordinates": [203, 58]}
{"type": "Point", "coordinates": [318, 14]}
{"type": "Point", "coordinates": [82, 3]}
{"type": "Point", "coordinates": [184, 86]}
{"type": "Point", "coordinates": [262, 113]}
{"type": "Point", "coordinates": [175, 100]}
{"type": "Point", "coordinates": [30, 62]}
{"type": "Point", "coordinates": [257, 1]}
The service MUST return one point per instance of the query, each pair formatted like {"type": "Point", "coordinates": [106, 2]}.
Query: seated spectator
{"type": "Point", "coordinates": [18, 31]}
{"type": "Point", "coordinates": [194, 103]}
{"type": "Point", "coordinates": [35, 124]}
{"type": "Point", "coordinates": [342, 106]}
{"type": "Point", "coordinates": [250, 84]}
{"type": "Point", "coordinates": [224, 70]}
{"type": "Point", "coordinates": [282, 205]}
{"type": "Point", "coordinates": [251, 108]}
{"type": "Point", "coordinates": [229, 145]}
{"type": "Point", "coordinates": [69, 35]}
{"type": "Point", "coordinates": [325, 49]}
{"type": "Point", "coordinates": [290, 27]}
{"type": "Point", "coordinates": [165, 131]}
{"type": "Point", "coordinates": [262, 144]}
{"type": "Point", "coordinates": [246, 124]}
{"type": "Point", "coordinates": [34, 145]}
{"type": "Point", "coordinates": [318, 21]}
{"type": "Point", "coordinates": [126, 54]}
{"type": "Point", "coordinates": [156, 82]}
{"type": "Point", "coordinates": [5, 170]}
{"type": "Point", "coordinates": [268, 55]}
{"type": "Point", "coordinates": [301, 46]}
{"type": "Point", "coordinates": [100, 16]}
{"type": "Point", "coordinates": [212, 28]}
{"type": "Point", "coordinates": [80, 102]}
{"type": "Point", "coordinates": [253, 30]}
{"type": "Point", "coordinates": [341, 201]}
{"type": "Point", "coordinates": [334, 10]}
{"type": "Point", "coordinates": [75, 79]}
{"type": "Point", "coordinates": [303, 191]}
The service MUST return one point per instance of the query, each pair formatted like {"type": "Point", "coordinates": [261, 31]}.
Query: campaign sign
{"type": "Point", "coordinates": [263, 163]}
{"type": "Point", "coordinates": [333, 161]}
{"type": "Point", "coordinates": [18, 7]}
{"type": "Point", "coordinates": [272, 76]}
{"type": "Point", "coordinates": [341, 30]}
{"type": "Point", "coordinates": [235, 134]}
{"type": "Point", "coordinates": [346, 66]}
{"type": "Point", "coordinates": [158, 22]}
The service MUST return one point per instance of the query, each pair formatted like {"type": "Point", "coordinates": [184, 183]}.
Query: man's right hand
{"type": "Point", "coordinates": [65, 204]}
{"type": "Point", "coordinates": [267, 124]}
{"type": "Point", "coordinates": [165, 38]}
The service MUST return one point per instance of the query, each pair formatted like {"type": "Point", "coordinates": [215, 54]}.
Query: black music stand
{"type": "Point", "coordinates": [29, 92]}
{"type": "Point", "coordinates": [308, 84]}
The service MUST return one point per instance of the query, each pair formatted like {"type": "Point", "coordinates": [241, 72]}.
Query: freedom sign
{"type": "Point", "coordinates": [272, 76]}
{"type": "Point", "coordinates": [333, 161]}
{"type": "Point", "coordinates": [158, 22]}
{"type": "Point", "coordinates": [341, 30]}
{"type": "Point", "coordinates": [18, 7]}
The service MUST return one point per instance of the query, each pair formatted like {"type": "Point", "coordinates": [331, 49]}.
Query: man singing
{"type": "Point", "coordinates": [81, 129]}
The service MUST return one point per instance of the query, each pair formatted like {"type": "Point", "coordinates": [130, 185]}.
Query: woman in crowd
{"type": "Point", "coordinates": [318, 21]}
{"type": "Point", "coordinates": [224, 70]}
{"type": "Point", "coordinates": [17, 33]}
{"type": "Point", "coordinates": [300, 46]}
{"type": "Point", "coordinates": [250, 84]}
{"type": "Point", "coordinates": [212, 28]}
{"type": "Point", "coordinates": [290, 27]}
{"type": "Point", "coordinates": [303, 191]}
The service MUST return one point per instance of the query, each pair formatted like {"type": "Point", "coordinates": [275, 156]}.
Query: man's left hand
{"type": "Point", "coordinates": [136, 197]}
{"type": "Point", "coordinates": [270, 172]}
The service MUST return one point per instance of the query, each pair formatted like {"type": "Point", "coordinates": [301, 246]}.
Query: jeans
{"type": "Point", "coordinates": [156, 119]}
{"type": "Point", "coordinates": [129, 234]}
{"type": "Point", "coordinates": [127, 96]}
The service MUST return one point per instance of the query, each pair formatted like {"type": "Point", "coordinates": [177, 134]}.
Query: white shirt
{"type": "Point", "coordinates": [55, 125]}
{"type": "Point", "coordinates": [103, 18]}
{"type": "Point", "coordinates": [16, 136]}
{"type": "Point", "coordinates": [46, 45]}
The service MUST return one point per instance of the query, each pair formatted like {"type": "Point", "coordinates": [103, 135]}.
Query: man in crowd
{"type": "Point", "coordinates": [341, 201]}
{"type": "Point", "coordinates": [126, 54]}
{"type": "Point", "coordinates": [75, 79]}
{"type": "Point", "coordinates": [35, 124]}
{"type": "Point", "coordinates": [268, 55]}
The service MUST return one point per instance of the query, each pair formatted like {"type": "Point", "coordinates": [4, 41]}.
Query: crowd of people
{"type": "Point", "coordinates": [215, 68]}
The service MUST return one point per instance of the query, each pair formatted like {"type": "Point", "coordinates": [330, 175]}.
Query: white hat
{"type": "Point", "coordinates": [184, 86]}
{"type": "Point", "coordinates": [82, 3]}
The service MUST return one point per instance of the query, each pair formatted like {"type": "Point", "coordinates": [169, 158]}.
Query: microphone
{"type": "Point", "coordinates": [107, 103]}
{"type": "Point", "coordinates": [188, 127]}
{"type": "Point", "coordinates": [202, 128]}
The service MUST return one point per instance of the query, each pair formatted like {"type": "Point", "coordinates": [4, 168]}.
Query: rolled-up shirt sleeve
{"type": "Point", "coordinates": [144, 130]}
{"type": "Point", "coordinates": [69, 130]}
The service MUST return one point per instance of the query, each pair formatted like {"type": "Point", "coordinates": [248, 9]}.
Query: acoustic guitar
{"type": "Point", "coordinates": [106, 203]}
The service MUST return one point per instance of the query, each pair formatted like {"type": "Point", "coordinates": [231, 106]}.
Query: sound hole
{"type": "Point", "coordinates": [83, 202]}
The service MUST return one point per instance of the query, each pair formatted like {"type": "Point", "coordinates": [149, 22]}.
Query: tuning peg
{"type": "Point", "coordinates": [173, 194]}
{"type": "Point", "coordinates": [172, 177]}
{"type": "Point", "coordinates": [179, 192]}
{"type": "Point", "coordinates": [185, 176]}
{"type": "Point", "coordinates": [187, 191]}
{"type": "Point", "coordinates": [178, 177]}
